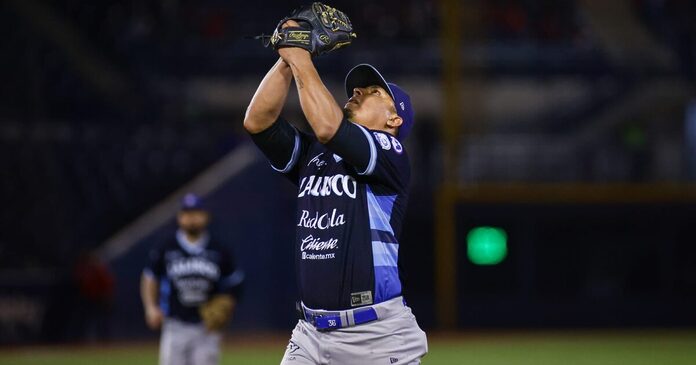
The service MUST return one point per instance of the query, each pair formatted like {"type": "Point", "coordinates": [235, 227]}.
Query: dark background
{"type": "Point", "coordinates": [110, 109]}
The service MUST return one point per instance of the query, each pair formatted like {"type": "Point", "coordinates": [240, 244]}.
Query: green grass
{"type": "Point", "coordinates": [654, 348]}
{"type": "Point", "coordinates": [489, 348]}
{"type": "Point", "coordinates": [135, 355]}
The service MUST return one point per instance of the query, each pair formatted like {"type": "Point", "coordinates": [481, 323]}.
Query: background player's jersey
{"type": "Point", "coordinates": [352, 195]}
{"type": "Point", "coordinates": [189, 274]}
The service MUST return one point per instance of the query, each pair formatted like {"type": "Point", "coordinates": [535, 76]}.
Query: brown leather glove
{"type": "Point", "coordinates": [217, 311]}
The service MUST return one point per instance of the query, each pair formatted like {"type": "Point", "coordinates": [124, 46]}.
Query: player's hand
{"type": "Point", "coordinates": [289, 53]}
{"type": "Point", "coordinates": [290, 23]}
{"type": "Point", "coordinates": [153, 317]}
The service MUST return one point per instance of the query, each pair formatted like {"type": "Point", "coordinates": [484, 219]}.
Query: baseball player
{"type": "Point", "coordinates": [189, 290]}
{"type": "Point", "coordinates": [352, 177]}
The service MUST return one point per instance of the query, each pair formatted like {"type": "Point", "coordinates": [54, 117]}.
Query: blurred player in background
{"type": "Point", "coordinates": [189, 289]}
{"type": "Point", "coordinates": [353, 177]}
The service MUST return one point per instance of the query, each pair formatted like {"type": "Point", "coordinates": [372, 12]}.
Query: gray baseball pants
{"type": "Point", "coordinates": [188, 344]}
{"type": "Point", "coordinates": [394, 338]}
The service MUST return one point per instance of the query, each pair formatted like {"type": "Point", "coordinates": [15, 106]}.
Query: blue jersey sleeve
{"type": "Point", "coordinates": [376, 155]}
{"type": "Point", "coordinates": [284, 145]}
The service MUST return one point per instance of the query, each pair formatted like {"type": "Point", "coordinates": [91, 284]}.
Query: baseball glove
{"type": "Point", "coordinates": [321, 29]}
{"type": "Point", "coordinates": [217, 311]}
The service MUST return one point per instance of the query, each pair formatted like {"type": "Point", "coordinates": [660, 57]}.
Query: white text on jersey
{"type": "Point", "coordinates": [327, 185]}
{"type": "Point", "coordinates": [316, 244]}
{"type": "Point", "coordinates": [324, 221]}
{"type": "Point", "coordinates": [193, 266]}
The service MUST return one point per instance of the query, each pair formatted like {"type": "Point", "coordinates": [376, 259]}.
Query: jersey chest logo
{"type": "Point", "coordinates": [338, 185]}
{"type": "Point", "coordinates": [193, 266]}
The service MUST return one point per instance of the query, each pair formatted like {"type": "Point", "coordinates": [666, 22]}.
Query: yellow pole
{"type": "Point", "coordinates": [445, 249]}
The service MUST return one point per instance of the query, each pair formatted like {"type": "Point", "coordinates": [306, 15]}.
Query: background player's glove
{"type": "Point", "coordinates": [321, 30]}
{"type": "Point", "coordinates": [216, 312]}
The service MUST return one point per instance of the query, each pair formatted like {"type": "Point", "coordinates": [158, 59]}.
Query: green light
{"type": "Point", "coordinates": [486, 245]}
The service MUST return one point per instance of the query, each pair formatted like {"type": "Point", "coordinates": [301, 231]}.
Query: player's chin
{"type": "Point", "coordinates": [194, 229]}
{"type": "Point", "coordinates": [348, 112]}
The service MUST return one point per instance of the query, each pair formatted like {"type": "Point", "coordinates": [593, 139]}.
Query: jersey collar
{"type": "Point", "coordinates": [192, 247]}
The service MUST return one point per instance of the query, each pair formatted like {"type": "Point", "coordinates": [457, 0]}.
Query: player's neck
{"type": "Point", "coordinates": [376, 127]}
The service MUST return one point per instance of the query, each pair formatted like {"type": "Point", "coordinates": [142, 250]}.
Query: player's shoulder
{"type": "Point", "coordinates": [214, 244]}
{"type": "Point", "coordinates": [220, 246]}
{"type": "Point", "coordinates": [391, 157]}
{"type": "Point", "coordinates": [167, 245]}
{"type": "Point", "coordinates": [163, 250]}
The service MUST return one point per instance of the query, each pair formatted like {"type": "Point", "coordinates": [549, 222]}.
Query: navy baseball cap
{"type": "Point", "coordinates": [364, 75]}
{"type": "Point", "coordinates": [191, 201]}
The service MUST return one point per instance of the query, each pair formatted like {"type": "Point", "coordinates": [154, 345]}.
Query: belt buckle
{"type": "Point", "coordinates": [310, 316]}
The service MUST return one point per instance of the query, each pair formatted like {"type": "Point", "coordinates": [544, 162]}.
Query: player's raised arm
{"type": "Point", "coordinates": [268, 101]}
{"type": "Point", "coordinates": [277, 138]}
{"type": "Point", "coordinates": [318, 105]}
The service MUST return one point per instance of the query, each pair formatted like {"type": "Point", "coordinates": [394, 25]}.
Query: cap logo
{"type": "Point", "coordinates": [403, 107]}
{"type": "Point", "coordinates": [190, 199]}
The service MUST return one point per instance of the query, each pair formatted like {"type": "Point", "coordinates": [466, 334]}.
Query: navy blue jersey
{"type": "Point", "coordinates": [189, 274]}
{"type": "Point", "coordinates": [352, 195]}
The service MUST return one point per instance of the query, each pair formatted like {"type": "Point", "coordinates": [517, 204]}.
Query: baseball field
{"type": "Point", "coordinates": [659, 347]}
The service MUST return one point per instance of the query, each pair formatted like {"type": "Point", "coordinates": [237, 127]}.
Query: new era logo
{"type": "Point", "coordinates": [393, 360]}
{"type": "Point", "coordinates": [402, 105]}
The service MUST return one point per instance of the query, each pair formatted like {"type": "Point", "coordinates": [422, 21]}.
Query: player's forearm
{"type": "Point", "coordinates": [148, 291]}
{"type": "Point", "coordinates": [319, 106]}
{"type": "Point", "coordinates": [268, 101]}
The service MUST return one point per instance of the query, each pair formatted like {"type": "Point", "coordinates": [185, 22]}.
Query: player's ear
{"type": "Point", "coordinates": [206, 216]}
{"type": "Point", "coordinates": [395, 121]}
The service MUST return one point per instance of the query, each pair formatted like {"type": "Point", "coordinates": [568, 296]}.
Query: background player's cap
{"type": "Point", "coordinates": [191, 201]}
{"type": "Point", "coordinates": [364, 75]}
